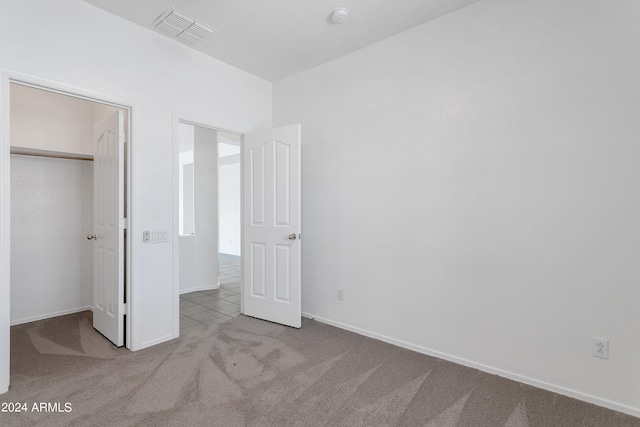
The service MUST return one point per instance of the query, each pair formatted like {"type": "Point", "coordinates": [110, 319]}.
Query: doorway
{"type": "Point", "coordinates": [54, 196]}
{"type": "Point", "coordinates": [206, 294]}
{"type": "Point", "coordinates": [270, 279]}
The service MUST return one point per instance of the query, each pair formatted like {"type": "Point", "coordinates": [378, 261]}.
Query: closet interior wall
{"type": "Point", "coordinates": [51, 203]}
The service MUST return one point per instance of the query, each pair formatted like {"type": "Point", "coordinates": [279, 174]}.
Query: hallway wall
{"type": "Point", "coordinates": [230, 212]}
{"type": "Point", "coordinates": [199, 251]}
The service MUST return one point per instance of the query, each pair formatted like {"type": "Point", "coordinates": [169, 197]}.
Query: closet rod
{"type": "Point", "coordinates": [50, 154]}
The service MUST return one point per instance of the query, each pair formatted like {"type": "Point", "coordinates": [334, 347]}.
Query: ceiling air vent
{"type": "Point", "coordinates": [177, 25]}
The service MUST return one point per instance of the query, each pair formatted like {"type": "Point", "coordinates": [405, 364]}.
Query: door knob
{"type": "Point", "coordinates": [293, 236]}
{"type": "Point", "coordinates": [91, 237]}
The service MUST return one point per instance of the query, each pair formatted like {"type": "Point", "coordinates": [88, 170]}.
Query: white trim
{"type": "Point", "coordinates": [175, 222]}
{"type": "Point", "coordinates": [216, 128]}
{"type": "Point", "coordinates": [5, 262]}
{"type": "Point", "coordinates": [133, 333]}
{"type": "Point", "coordinates": [64, 89]}
{"type": "Point", "coordinates": [51, 315]}
{"type": "Point", "coordinates": [151, 343]}
{"type": "Point", "coordinates": [242, 293]}
{"type": "Point", "coordinates": [133, 245]}
{"type": "Point", "coordinates": [482, 367]}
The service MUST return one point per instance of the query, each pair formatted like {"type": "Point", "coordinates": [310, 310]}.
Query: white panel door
{"type": "Point", "coordinates": [271, 240]}
{"type": "Point", "coordinates": [108, 237]}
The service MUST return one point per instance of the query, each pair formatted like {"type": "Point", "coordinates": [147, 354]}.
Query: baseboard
{"type": "Point", "coordinates": [200, 288]}
{"type": "Point", "coordinates": [156, 341]}
{"type": "Point", "coordinates": [485, 368]}
{"type": "Point", "coordinates": [50, 315]}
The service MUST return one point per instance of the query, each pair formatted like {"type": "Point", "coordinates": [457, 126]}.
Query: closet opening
{"type": "Point", "coordinates": [69, 213]}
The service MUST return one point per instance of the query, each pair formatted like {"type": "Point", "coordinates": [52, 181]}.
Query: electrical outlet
{"type": "Point", "coordinates": [340, 294]}
{"type": "Point", "coordinates": [600, 348]}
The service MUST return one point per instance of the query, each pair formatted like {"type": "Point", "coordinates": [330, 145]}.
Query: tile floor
{"type": "Point", "coordinates": [218, 305]}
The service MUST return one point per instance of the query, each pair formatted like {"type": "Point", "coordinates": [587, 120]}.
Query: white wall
{"type": "Point", "coordinates": [89, 49]}
{"type": "Point", "coordinates": [185, 179]}
{"type": "Point", "coordinates": [51, 258]}
{"type": "Point", "coordinates": [230, 208]}
{"type": "Point", "coordinates": [44, 120]}
{"type": "Point", "coordinates": [199, 252]}
{"type": "Point", "coordinates": [230, 205]}
{"type": "Point", "coordinates": [472, 185]}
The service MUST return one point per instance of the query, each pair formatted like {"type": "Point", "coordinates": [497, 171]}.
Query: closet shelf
{"type": "Point", "coordinates": [50, 153]}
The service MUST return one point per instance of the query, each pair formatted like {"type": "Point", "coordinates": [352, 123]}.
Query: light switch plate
{"type": "Point", "coordinates": [156, 236]}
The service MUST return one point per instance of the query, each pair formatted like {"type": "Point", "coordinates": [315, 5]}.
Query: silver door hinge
{"type": "Point", "coordinates": [124, 223]}
{"type": "Point", "coordinates": [123, 136]}
{"type": "Point", "coordinates": [124, 308]}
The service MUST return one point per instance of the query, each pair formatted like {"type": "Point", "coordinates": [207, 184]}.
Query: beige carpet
{"type": "Point", "coordinates": [247, 372]}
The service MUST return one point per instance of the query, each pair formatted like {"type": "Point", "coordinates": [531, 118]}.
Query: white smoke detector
{"type": "Point", "coordinates": [339, 15]}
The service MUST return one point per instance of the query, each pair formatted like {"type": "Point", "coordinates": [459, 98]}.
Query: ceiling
{"type": "Point", "coordinates": [273, 39]}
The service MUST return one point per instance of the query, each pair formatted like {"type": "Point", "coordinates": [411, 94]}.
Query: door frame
{"type": "Point", "coordinates": [7, 77]}
{"type": "Point", "coordinates": [188, 119]}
